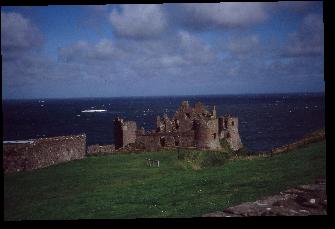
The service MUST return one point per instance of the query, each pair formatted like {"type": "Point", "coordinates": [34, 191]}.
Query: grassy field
{"type": "Point", "coordinates": [122, 186]}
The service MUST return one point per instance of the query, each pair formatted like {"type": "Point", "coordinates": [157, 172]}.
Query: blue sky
{"type": "Point", "coordinates": [164, 49]}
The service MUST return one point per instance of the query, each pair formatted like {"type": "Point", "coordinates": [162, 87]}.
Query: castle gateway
{"type": "Point", "coordinates": [189, 127]}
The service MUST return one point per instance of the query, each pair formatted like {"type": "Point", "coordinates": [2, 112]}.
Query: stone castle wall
{"type": "Point", "coordinates": [100, 150]}
{"type": "Point", "coordinates": [129, 132]}
{"type": "Point", "coordinates": [206, 134]}
{"type": "Point", "coordinates": [228, 129]}
{"type": "Point", "coordinates": [151, 142]}
{"type": "Point", "coordinates": [189, 127]}
{"type": "Point", "coordinates": [156, 141]}
{"type": "Point", "coordinates": [125, 133]}
{"type": "Point", "coordinates": [43, 152]}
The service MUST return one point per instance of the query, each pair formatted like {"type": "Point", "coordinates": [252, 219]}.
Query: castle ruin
{"type": "Point", "coordinates": [189, 127]}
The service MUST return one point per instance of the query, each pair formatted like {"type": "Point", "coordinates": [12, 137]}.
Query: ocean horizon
{"type": "Point", "coordinates": [171, 96]}
{"type": "Point", "coordinates": [265, 120]}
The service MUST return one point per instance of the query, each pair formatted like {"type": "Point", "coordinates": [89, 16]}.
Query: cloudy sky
{"type": "Point", "coordinates": [165, 49]}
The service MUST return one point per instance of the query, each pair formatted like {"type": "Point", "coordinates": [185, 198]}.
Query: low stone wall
{"type": "Point", "coordinates": [314, 137]}
{"type": "Point", "coordinates": [42, 152]}
{"type": "Point", "coordinates": [100, 150]}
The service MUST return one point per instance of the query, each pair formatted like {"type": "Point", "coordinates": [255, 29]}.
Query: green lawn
{"type": "Point", "coordinates": [122, 186]}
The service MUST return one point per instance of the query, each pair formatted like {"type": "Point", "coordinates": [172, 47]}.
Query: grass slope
{"type": "Point", "coordinates": [122, 186]}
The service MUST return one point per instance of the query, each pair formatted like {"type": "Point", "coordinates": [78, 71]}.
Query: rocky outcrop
{"type": "Point", "coordinates": [301, 201]}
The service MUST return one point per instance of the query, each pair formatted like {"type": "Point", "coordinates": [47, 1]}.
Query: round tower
{"type": "Point", "coordinates": [206, 134]}
{"type": "Point", "coordinates": [232, 134]}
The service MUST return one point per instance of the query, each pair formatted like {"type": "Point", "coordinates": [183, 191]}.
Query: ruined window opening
{"type": "Point", "coordinates": [214, 135]}
{"type": "Point", "coordinates": [176, 142]}
{"type": "Point", "coordinates": [176, 122]}
{"type": "Point", "coordinates": [232, 123]}
{"type": "Point", "coordinates": [188, 115]}
{"type": "Point", "coordinates": [162, 141]}
{"type": "Point", "coordinates": [228, 135]}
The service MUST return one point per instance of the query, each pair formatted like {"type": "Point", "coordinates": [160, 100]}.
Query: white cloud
{"type": "Point", "coordinates": [194, 49]}
{"type": "Point", "coordinates": [142, 55]}
{"type": "Point", "coordinates": [85, 52]}
{"type": "Point", "coordinates": [243, 45]}
{"type": "Point", "coordinates": [18, 33]}
{"type": "Point", "coordinates": [308, 40]}
{"type": "Point", "coordinates": [138, 21]}
{"type": "Point", "coordinates": [228, 14]}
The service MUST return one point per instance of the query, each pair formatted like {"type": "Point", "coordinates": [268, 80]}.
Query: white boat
{"type": "Point", "coordinates": [90, 111]}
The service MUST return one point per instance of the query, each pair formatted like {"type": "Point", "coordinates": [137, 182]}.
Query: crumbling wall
{"type": "Point", "coordinates": [99, 150]}
{"type": "Point", "coordinates": [151, 142]}
{"type": "Point", "coordinates": [228, 129]}
{"type": "Point", "coordinates": [129, 132]}
{"type": "Point", "coordinates": [199, 108]}
{"type": "Point", "coordinates": [124, 132]}
{"type": "Point", "coordinates": [233, 136]}
{"type": "Point", "coordinates": [184, 139]}
{"type": "Point", "coordinates": [43, 152]}
{"type": "Point", "coordinates": [170, 141]}
{"type": "Point", "coordinates": [189, 127]}
{"type": "Point", "coordinates": [164, 124]}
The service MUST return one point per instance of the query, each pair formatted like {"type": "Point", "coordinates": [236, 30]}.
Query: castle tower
{"type": "Point", "coordinates": [158, 123]}
{"type": "Point", "coordinates": [167, 123]}
{"type": "Point", "coordinates": [124, 132]}
{"type": "Point", "coordinates": [214, 112]}
{"type": "Point", "coordinates": [184, 105]}
{"type": "Point", "coordinates": [206, 134]}
{"type": "Point", "coordinates": [228, 129]}
{"type": "Point", "coordinates": [199, 108]}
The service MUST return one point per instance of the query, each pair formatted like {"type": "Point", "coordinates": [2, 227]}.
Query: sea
{"type": "Point", "coordinates": [265, 120]}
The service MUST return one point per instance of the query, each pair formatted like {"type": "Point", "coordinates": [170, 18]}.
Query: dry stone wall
{"type": "Point", "coordinates": [43, 152]}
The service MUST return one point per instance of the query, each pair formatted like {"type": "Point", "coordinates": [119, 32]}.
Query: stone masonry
{"type": "Point", "coordinates": [125, 132]}
{"type": "Point", "coordinates": [42, 152]}
{"type": "Point", "coordinates": [99, 150]}
{"type": "Point", "coordinates": [189, 127]}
